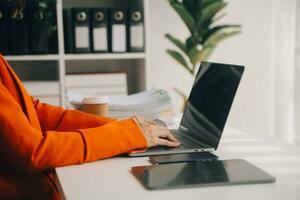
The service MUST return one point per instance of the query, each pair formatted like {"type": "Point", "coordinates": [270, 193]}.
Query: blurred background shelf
{"type": "Point", "coordinates": [37, 69]}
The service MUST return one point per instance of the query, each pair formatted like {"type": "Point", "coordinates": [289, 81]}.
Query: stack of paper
{"type": "Point", "coordinates": [153, 103]}
{"type": "Point", "coordinates": [97, 84]}
{"type": "Point", "coordinates": [45, 91]}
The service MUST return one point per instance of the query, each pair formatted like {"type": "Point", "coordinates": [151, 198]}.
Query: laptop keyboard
{"type": "Point", "coordinates": [186, 143]}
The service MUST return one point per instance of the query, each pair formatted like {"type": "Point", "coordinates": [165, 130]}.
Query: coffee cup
{"type": "Point", "coordinates": [96, 105]}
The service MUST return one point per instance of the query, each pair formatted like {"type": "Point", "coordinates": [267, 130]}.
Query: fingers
{"type": "Point", "coordinates": [163, 132]}
{"type": "Point", "coordinates": [165, 142]}
{"type": "Point", "coordinates": [155, 134]}
{"type": "Point", "coordinates": [165, 137]}
{"type": "Point", "coordinates": [172, 138]}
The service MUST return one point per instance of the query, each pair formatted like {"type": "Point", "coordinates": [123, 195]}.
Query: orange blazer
{"type": "Point", "coordinates": [36, 137]}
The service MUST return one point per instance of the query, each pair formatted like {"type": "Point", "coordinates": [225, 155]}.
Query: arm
{"type": "Point", "coordinates": [59, 119]}
{"type": "Point", "coordinates": [30, 149]}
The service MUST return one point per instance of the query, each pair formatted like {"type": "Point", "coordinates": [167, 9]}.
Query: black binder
{"type": "Point", "coordinates": [18, 32]}
{"type": "Point", "coordinates": [135, 30]}
{"type": "Point", "coordinates": [68, 31]}
{"type": "Point", "coordinates": [118, 30]}
{"type": "Point", "coordinates": [100, 37]}
{"type": "Point", "coordinates": [4, 30]}
{"type": "Point", "coordinates": [38, 36]}
{"type": "Point", "coordinates": [53, 37]}
{"type": "Point", "coordinates": [53, 43]}
{"type": "Point", "coordinates": [81, 30]}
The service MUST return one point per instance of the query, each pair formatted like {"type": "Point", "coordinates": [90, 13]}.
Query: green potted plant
{"type": "Point", "coordinates": [200, 18]}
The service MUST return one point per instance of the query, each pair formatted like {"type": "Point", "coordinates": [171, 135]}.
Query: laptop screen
{"type": "Point", "coordinates": [210, 101]}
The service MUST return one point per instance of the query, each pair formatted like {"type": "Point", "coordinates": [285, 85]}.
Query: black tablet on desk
{"type": "Point", "coordinates": [199, 174]}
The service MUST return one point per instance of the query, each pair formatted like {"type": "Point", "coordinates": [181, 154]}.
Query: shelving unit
{"type": "Point", "coordinates": [55, 67]}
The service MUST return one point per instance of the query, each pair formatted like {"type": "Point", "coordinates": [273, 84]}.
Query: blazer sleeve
{"type": "Point", "coordinates": [60, 119]}
{"type": "Point", "coordinates": [32, 150]}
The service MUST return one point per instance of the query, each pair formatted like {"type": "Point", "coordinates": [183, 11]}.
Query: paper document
{"type": "Point", "coordinates": [153, 103]}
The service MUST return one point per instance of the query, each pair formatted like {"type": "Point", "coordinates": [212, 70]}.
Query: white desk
{"type": "Point", "coordinates": [111, 178]}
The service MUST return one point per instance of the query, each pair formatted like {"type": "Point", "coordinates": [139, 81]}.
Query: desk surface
{"type": "Point", "coordinates": [112, 179]}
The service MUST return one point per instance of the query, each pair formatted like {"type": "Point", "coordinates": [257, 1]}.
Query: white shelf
{"type": "Point", "coordinates": [47, 57]}
{"type": "Point", "coordinates": [133, 63]}
{"type": "Point", "coordinates": [105, 56]}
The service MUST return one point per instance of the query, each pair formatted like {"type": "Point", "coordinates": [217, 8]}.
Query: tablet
{"type": "Point", "coordinates": [198, 174]}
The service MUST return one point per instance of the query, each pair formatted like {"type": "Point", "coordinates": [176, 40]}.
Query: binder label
{"type": "Point", "coordinates": [137, 36]}
{"type": "Point", "coordinates": [82, 37]}
{"type": "Point", "coordinates": [119, 38]}
{"type": "Point", "coordinates": [100, 39]}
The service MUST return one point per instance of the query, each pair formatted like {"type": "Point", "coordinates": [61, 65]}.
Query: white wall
{"type": "Point", "coordinates": [252, 110]}
{"type": "Point", "coordinates": [297, 79]}
{"type": "Point", "coordinates": [284, 69]}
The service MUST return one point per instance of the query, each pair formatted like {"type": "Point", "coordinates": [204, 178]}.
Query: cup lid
{"type": "Point", "coordinates": [95, 100]}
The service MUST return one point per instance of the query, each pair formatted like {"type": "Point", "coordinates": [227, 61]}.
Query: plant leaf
{"type": "Point", "coordinates": [201, 4]}
{"type": "Point", "coordinates": [206, 3]}
{"type": "Point", "coordinates": [218, 17]}
{"type": "Point", "coordinates": [179, 58]}
{"type": "Point", "coordinates": [215, 38]}
{"type": "Point", "coordinates": [191, 6]}
{"type": "Point", "coordinates": [189, 43]}
{"type": "Point", "coordinates": [197, 55]}
{"type": "Point", "coordinates": [211, 31]}
{"type": "Point", "coordinates": [211, 10]}
{"type": "Point", "coordinates": [193, 55]}
{"type": "Point", "coordinates": [208, 13]}
{"type": "Point", "coordinates": [177, 42]}
{"type": "Point", "coordinates": [184, 14]}
{"type": "Point", "coordinates": [205, 53]}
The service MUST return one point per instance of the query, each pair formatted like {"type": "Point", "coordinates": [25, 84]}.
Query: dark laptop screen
{"type": "Point", "coordinates": [210, 100]}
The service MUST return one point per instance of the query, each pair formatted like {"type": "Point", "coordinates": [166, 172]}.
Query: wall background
{"type": "Point", "coordinates": [253, 108]}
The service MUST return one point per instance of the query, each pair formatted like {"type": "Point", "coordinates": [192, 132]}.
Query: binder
{"type": "Point", "coordinates": [4, 31]}
{"type": "Point", "coordinates": [53, 37]}
{"type": "Point", "coordinates": [81, 30]}
{"type": "Point", "coordinates": [53, 43]}
{"type": "Point", "coordinates": [135, 29]}
{"type": "Point", "coordinates": [99, 30]}
{"type": "Point", "coordinates": [118, 30]}
{"type": "Point", "coordinates": [38, 37]}
{"type": "Point", "coordinates": [68, 31]}
{"type": "Point", "coordinates": [18, 33]}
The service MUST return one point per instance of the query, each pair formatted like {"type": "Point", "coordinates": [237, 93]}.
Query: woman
{"type": "Point", "coordinates": [36, 137]}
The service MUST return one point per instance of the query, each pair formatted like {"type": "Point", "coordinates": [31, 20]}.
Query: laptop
{"type": "Point", "coordinates": [206, 110]}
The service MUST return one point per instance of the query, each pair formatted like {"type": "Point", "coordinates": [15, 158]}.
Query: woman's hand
{"type": "Point", "coordinates": [155, 134]}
